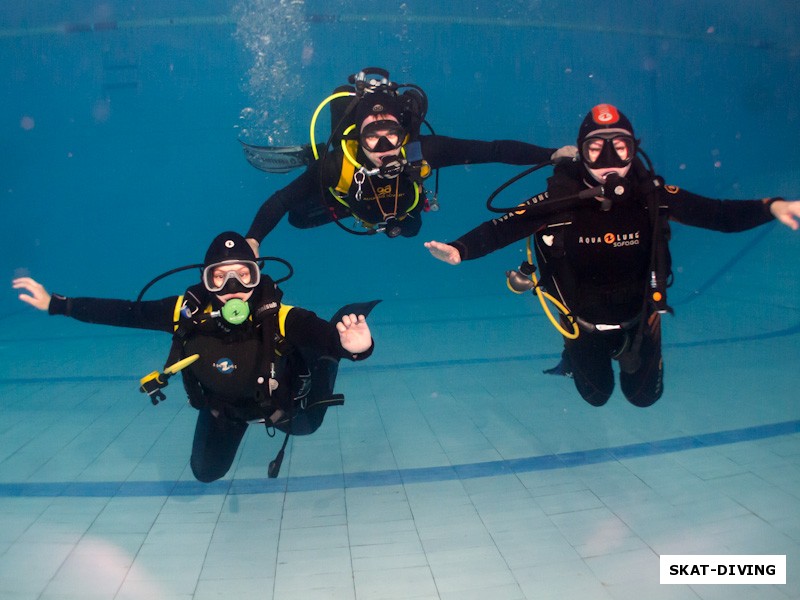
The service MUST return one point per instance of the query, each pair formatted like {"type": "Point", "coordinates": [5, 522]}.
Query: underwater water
{"type": "Point", "coordinates": [456, 469]}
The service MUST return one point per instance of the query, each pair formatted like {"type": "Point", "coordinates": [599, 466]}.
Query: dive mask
{"type": "Point", "coordinates": [607, 149]}
{"type": "Point", "coordinates": [383, 136]}
{"type": "Point", "coordinates": [231, 276]}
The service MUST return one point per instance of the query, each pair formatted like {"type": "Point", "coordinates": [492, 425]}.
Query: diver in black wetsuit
{"type": "Point", "coordinates": [605, 255]}
{"type": "Point", "coordinates": [259, 359]}
{"type": "Point", "coordinates": [375, 169]}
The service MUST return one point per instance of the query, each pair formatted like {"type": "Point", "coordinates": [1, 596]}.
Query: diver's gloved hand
{"type": "Point", "coordinates": [565, 152]}
{"type": "Point", "coordinates": [354, 334]}
{"type": "Point", "coordinates": [38, 298]}
{"type": "Point", "coordinates": [444, 252]}
{"type": "Point", "coordinates": [786, 211]}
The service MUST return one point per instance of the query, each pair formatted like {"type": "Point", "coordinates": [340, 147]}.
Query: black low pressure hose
{"type": "Point", "coordinates": [614, 188]}
{"type": "Point", "coordinates": [275, 465]}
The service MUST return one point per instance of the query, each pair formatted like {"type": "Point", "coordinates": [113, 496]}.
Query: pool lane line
{"type": "Point", "coordinates": [392, 477]}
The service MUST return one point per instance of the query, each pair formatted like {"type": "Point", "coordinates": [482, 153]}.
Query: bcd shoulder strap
{"type": "Point", "coordinates": [186, 315]}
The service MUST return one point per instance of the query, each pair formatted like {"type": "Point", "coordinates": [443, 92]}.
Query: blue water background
{"type": "Point", "coordinates": [121, 119]}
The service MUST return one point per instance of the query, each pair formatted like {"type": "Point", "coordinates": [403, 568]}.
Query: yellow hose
{"type": "Point", "coordinates": [181, 364]}
{"type": "Point", "coordinates": [544, 297]}
{"type": "Point", "coordinates": [316, 114]}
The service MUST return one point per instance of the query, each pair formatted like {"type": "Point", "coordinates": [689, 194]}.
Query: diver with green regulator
{"type": "Point", "coordinates": [244, 355]}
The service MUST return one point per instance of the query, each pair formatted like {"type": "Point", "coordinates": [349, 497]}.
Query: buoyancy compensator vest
{"type": "Point", "coordinates": [241, 372]}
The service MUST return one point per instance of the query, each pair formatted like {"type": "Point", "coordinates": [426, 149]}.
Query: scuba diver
{"type": "Point", "coordinates": [600, 236]}
{"type": "Point", "coordinates": [244, 356]}
{"type": "Point", "coordinates": [374, 164]}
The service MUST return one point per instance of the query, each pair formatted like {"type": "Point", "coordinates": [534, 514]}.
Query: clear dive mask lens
{"type": "Point", "coordinates": [383, 136]}
{"type": "Point", "coordinates": [231, 276]}
{"type": "Point", "coordinates": [610, 150]}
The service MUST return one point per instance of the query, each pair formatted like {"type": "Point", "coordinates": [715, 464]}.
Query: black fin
{"type": "Point", "coordinates": [564, 367]}
{"type": "Point", "coordinates": [357, 308]}
{"type": "Point", "coordinates": [278, 159]}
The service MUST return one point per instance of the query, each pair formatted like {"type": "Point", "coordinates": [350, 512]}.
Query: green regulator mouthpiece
{"type": "Point", "coordinates": [235, 311]}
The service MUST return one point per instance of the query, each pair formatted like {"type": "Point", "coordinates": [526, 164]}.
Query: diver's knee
{"type": "Point", "coordinates": [644, 400]}
{"type": "Point", "coordinates": [644, 392]}
{"type": "Point", "coordinates": [596, 399]}
{"type": "Point", "coordinates": [591, 392]}
{"type": "Point", "coordinates": [204, 474]}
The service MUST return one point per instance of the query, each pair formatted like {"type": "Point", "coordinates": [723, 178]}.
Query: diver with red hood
{"type": "Point", "coordinates": [600, 235]}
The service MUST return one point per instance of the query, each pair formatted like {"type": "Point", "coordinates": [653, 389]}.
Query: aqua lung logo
{"type": "Point", "coordinates": [225, 366]}
{"type": "Point", "coordinates": [605, 114]}
{"type": "Point", "coordinates": [522, 207]}
{"type": "Point", "coordinates": [616, 240]}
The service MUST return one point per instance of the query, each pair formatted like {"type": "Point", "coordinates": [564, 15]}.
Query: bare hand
{"type": "Point", "coordinates": [254, 245]}
{"type": "Point", "coordinates": [354, 333]}
{"type": "Point", "coordinates": [37, 296]}
{"type": "Point", "coordinates": [569, 152]}
{"type": "Point", "coordinates": [787, 212]}
{"type": "Point", "coordinates": [444, 252]}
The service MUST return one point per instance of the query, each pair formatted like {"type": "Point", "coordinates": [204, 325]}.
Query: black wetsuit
{"type": "Point", "coordinates": [310, 204]}
{"type": "Point", "coordinates": [598, 263]}
{"type": "Point", "coordinates": [221, 383]}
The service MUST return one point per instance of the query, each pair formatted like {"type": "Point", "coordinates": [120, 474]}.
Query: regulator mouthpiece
{"type": "Point", "coordinates": [235, 311]}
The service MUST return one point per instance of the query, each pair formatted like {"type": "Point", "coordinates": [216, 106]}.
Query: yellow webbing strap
{"type": "Point", "coordinates": [176, 314]}
{"type": "Point", "coordinates": [282, 312]}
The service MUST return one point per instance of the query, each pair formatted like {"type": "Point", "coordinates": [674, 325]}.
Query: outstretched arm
{"type": "Point", "coordinates": [302, 191]}
{"type": "Point", "coordinates": [787, 212]}
{"type": "Point", "coordinates": [488, 236]}
{"type": "Point", "coordinates": [729, 216]}
{"type": "Point", "coordinates": [354, 334]}
{"type": "Point", "coordinates": [151, 314]}
{"type": "Point", "coordinates": [441, 151]}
